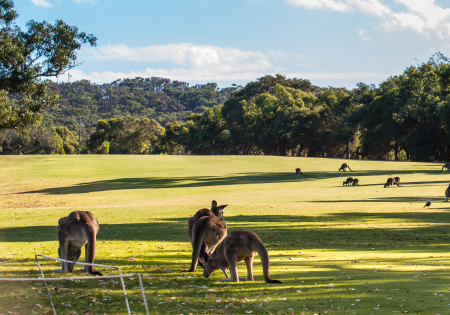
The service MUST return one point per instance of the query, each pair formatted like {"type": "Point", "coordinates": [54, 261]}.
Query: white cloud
{"type": "Point", "coordinates": [361, 33]}
{"type": "Point", "coordinates": [42, 3]}
{"type": "Point", "coordinates": [300, 56]}
{"type": "Point", "coordinates": [82, 1]}
{"type": "Point", "coordinates": [278, 55]}
{"type": "Point", "coordinates": [306, 65]}
{"type": "Point", "coordinates": [193, 75]}
{"type": "Point", "coordinates": [203, 58]}
{"type": "Point", "coordinates": [420, 16]}
{"type": "Point", "coordinates": [319, 4]}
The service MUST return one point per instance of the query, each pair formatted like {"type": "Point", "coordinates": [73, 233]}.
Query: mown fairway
{"type": "Point", "coordinates": [338, 250]}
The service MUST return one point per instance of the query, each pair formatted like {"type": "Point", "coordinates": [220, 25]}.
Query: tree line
{"type": "Point", "coordinates": [406, 117]}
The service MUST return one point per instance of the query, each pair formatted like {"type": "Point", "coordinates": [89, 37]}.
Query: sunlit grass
{"type": "Point", "coordinates": [362, 250]}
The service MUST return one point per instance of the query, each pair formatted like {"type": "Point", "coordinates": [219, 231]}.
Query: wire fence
{"type": "Point", "coordinates": [120, 275]}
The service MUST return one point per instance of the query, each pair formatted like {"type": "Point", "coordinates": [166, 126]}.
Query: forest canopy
{"type": "Point", "coordinates": [406, 117]}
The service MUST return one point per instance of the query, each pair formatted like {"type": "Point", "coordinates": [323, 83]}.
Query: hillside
{"type": "Point", "coordinates": [161, 99]}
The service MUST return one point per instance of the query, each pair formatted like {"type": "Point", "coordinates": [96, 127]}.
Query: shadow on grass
{"type": "Point", "coordinates": [204, 181]}
{"type": "Point", "coordinates": [415, 199]}
{"type": "Point", "coordinates": [283, 232]}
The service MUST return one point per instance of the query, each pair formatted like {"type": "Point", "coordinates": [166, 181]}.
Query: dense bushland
{"type": "Point", "coordinates": [406, 117]}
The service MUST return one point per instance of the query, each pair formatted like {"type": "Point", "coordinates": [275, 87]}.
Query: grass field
{"type": "Point", "coordinates": [337, 250]}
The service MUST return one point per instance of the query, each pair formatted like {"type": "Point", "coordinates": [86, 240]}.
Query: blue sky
{"type": "Point", "coordinates": [330, 42]}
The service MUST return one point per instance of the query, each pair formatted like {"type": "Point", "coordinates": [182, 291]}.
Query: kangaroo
{"type": "Point", "coordinates": [78, 229]}
{"type": "Point", "coordinates": [355, 182]}
{"type": "Point", "coordinates": [348, 181]}
{"type": "Point", "coordinates": [447, 166]}
{"type": "Point", "coordinates": [206, 230]}
{"type": "Point", "coordinates": [344, 167]}
{"type": "Point", "coordinates": [298, 171]}
{"type": "Point", "coordinates": [237, 246]}
{"type": "Point", "coordinates": [397, 180]}
{"type": "Point", "coordinates": [390, 182]}
{"type": "Point", "coordinates": [215, 211]}
{"type": "Point", "coordinates": [447, 192]}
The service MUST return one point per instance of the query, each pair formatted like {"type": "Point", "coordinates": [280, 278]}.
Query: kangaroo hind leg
{"type": "Point", "coordinates": [249, 264]}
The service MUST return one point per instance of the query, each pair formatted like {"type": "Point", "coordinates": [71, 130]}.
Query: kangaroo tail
{"type": "Point", "coordinates": [197, 248]}
{"type": "Point", "coordinates": [264, 256]}
{"type": "Point", "coordinates": [90, 250]}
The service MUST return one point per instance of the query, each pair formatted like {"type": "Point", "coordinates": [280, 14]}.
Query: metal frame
{"type": "Point", "coordinates": [120, 275]}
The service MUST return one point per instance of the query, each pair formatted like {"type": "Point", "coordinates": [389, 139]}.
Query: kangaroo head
{"type": "Point", "coordinates": [211, 264]}
{"type": "Point", "coordinates": [218, 211]}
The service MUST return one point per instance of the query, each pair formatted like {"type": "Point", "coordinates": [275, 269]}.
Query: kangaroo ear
{"type": "Point", "coordinates": [213, 204]}
{"type": "Point", "coordinates": [221, 207]}
{"type": "Point", "coordinates": [205, 257]}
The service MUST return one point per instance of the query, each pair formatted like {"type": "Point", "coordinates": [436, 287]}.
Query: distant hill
{"type": "Point", "coordinates": [161, 99]}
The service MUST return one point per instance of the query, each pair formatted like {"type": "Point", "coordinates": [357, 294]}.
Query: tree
{"type": "Point", "coordinates": [27, 58]}
{"type": "Point", "coordinates": [234, 109]}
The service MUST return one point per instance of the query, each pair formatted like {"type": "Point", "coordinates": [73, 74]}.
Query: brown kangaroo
{"type": "Point", "coordinates": [447, 192]}
{"type": "Point", "coordinates": [206, 231]}
{"type": "Point", "coordinates": [447, 166]}
{"type": "Point", "coordinates": [355, 182]}
{"type": "Point", "coordinates": [215, 211]}
{"type": "Point", "coordinates": [348, 181]}
{"type": "Point", "coordinates": [78, 229]}
{"type": "Point", "coordinates": [344, 167]}
{"type": "Point", "coordinates": [397, 180]}
{"type": "Point", "coordinates": [237, 246]}
{"type": "Point", "coordinates": [390, 182]}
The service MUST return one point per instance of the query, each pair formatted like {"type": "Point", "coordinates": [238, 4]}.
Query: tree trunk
{"type": "Point", "coordinates": [396, 150]}
{"type": "Point", "coordinates": [282, 151]}
{"type": "Point", "coordinates": [300, 149]}
{"type": "Point", "coordinates": [347, 150]}
{"type": "Point", "coordinates": [448, 154]}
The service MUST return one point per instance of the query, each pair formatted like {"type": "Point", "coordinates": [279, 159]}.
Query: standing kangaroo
{"type": "Point", "coordinates": [208, 230]}
{"type": "Point", "coordinates": [237, 246]}
{"type": "Point", "coordinates": [215, 211]}
{"type": "Point", "coordinates": [447, 166]}
{"type": "Point", "coordinates": [78, 229]}
{"type": "Point", "coordinates": [344, 167]}
{"type": "Point", "coordinates": [447, 192]}
{"type": "Point", "coordinates": [348, 181]}
{"type": "Point", "coordinates": [390, 182]}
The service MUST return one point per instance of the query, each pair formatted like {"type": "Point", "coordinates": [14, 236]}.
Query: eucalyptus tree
{"type": "Point", "coordinates": [27, 58]}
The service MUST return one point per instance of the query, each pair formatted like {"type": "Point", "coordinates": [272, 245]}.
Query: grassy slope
{"type": "Point", "coordinates": [364, 249]}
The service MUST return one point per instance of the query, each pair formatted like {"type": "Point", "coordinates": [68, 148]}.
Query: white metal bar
{"type": "Point", "coordinates": [71, 278]}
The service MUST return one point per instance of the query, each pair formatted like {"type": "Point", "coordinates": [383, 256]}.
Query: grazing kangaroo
{"type": "Point", "coordinates": [447, 166]}
{"type": "Point", "coordinates": [206, 231]}
{"type": "Point", "coordinates": [78, 229]}
{"type": "Point", "coordinates": [348, 181]}
{"type": "Point", "coordinates": [344, 167]}
{"type": "Point", "coordinates": [447, 192]}
{"type": "Point", "coordinates": [390, 182]}
{"type": "Point", "coordinates": [237, 246]}
{"type": "Point", "coordinates": [355, 182]}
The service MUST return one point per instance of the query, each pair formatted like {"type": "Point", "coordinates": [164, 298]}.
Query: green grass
{"type": "Point", "coordinates": [338, 250]}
